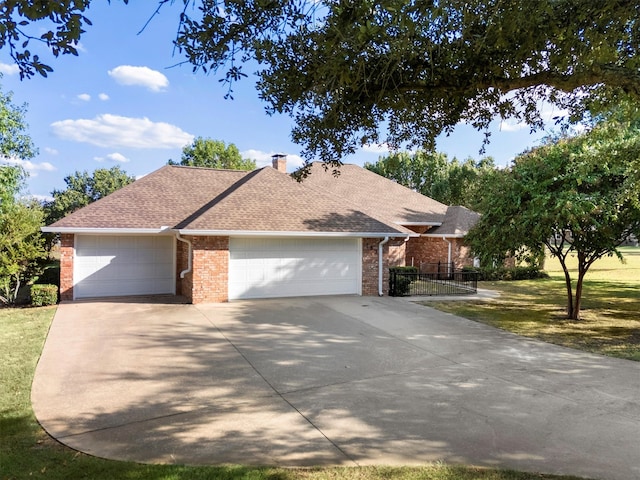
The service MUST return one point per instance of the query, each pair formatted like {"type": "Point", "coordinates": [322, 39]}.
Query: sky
{"type": "Point", "coordinates": [127, 100]}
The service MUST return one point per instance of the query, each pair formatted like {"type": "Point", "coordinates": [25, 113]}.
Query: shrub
{"type": "Point", "coordinates": [403, 282]}
{"type": "Point", "coordinates": [502, 273]}
{"type": "Point", "coordinates": [42, 295]}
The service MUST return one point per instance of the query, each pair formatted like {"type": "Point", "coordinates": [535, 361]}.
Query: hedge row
{"type": "Point", "coordinates": [502, 273]}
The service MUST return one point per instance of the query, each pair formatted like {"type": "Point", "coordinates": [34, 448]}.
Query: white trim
{"type": "Point", "coordinates": [106, 231]}
{"type": "Point", "coordinates": [262, 233]}
{"type": "Point", "coordinates": [444, 235]}
{"type": "Point", "coordinates": [420, 224]}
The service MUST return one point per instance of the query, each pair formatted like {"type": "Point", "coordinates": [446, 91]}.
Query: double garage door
{"type": "Point", "coordinates": [291, 267]}
{"type": "Point", "coordinates": [107, 266]}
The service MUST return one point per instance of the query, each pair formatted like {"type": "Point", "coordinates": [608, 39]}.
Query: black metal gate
{"type": "Point", "coordinates": [407, 283]}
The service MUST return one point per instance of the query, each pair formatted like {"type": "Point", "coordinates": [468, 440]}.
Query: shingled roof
{"type": "Point", "coordinates": [457, 223]}
{"type": "Point", "coordinates": [375, 193]}
{"type": "Point", "coordinates": [206, 201]}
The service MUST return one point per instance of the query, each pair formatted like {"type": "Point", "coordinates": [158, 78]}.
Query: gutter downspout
{"type": "Point", "coordinates": [188, 269]}
{"type": "Point", "coordinates": [448, 255]}
{"type": "Point", "coordinates": [380, 265]}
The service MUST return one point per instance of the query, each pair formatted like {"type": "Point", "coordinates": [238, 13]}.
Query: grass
{"type": "Point", "coordinates": [27, 452]}
{"type": "Point", "coordinates": [610, 323]}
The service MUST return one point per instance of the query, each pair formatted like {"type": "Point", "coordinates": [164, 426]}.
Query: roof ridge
{"type": "Point", "coordinates": [196, 167]}
{"type": "Point", "coordinates": [358, 208]}
{"type": "Point", "coordinates": [218, 198]}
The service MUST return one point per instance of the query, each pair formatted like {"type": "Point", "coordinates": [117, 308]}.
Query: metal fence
{"type": "Point", "coordinates": [403, 284]}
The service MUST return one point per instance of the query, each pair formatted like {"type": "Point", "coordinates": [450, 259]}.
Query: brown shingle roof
{"type": "Point", "coordinates": [206, 200]}
{"type": "Point", "coordinates": [162, 198]}
{"type": "Point", "coordinates": [374, 193]}
{"type": "Point", "coordinates": [457, 222]}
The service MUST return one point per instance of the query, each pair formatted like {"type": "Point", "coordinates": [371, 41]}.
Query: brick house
{"type": "Point", "coordinates": [219, 235]}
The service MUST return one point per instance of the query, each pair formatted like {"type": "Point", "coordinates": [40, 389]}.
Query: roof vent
{"type": "Point", "coordinates": [279, 162]}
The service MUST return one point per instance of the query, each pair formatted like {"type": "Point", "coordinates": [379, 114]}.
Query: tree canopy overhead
{"type": "Point", "coordinates": [394, 71]}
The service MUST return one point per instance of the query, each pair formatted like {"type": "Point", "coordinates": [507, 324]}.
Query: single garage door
{"type": "Point", "coordinates": [107, 266]}
{"type": "Point", "coordinates": [292, 267]}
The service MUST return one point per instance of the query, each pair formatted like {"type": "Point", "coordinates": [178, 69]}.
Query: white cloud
{"type": "Point", "coordinates": [9, 68]}
{"type": "Point", "coordinates": [103, 96]}
{"type": "Point", "coordinates": [375, 148]}
{"type": "Point", "coordinates": [264, 158]}
{"type": "Point", "coordinates": [51, 151]}
{"type": "Point", "coordinates": [85, 97]}
{"type": "Point", "coordinates": [114, 131]}
{"type": "Point", "coordinates": [141, 76]}
{"type": "Point", "coordinates": [29, 166]}
{"type": "Point", "coordinates": [511, 126]}
{"type": "Point", "coordinates": [41, 198]}
{"type": "Point", "coordinates": [114, 157]}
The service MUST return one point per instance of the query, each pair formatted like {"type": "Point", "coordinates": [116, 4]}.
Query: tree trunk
{"type": "Point", "coordinates": [583, 266]}
{"type": "Point", "coordinates": [567, 279]}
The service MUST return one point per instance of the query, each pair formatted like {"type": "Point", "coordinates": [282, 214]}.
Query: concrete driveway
{"type": "Point", "coordinates": [330, 381]}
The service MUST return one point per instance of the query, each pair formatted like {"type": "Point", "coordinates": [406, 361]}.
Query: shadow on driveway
{"type": "Point", "coordinates": [329, 381]}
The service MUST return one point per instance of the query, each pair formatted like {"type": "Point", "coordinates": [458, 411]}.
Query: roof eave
{"type": "Point", "coordinates": [106, 231]}
{"type": "Point", "coordinates": [262, 233]}
{"type": "Point", "coordinates": [444, 235]}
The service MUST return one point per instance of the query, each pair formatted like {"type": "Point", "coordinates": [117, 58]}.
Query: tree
{"type": "Point", "coordinates": [343, 70]}
{"type": "Point", "coordinates": [20, 240]}
{"type": "Point", "coordinates": [84, 188]}
{"type": "Point", "coordinates": [206, 152]}
{"type": "Point", "coordinates": [574, 196]}
{"type": "Point", "coordinates": [434, 175]}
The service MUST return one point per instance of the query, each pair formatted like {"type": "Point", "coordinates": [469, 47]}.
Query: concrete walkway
{"type": "Point", "coordinates": [330, 381]}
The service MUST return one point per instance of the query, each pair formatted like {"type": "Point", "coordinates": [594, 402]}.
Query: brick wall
{"type": "Point", "coordinates": [183, 285]}
{"type": "Point", "coordinates": [67, 241]}
{"type": "Point", "coordinates": [393, 255]}
{"type": "Point", "coordinates": [433, 250]}
{"type": "Point", "coordinates": [208, 281]}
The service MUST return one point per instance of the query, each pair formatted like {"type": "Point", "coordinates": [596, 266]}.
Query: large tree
{"type": "Point", "coordinates": [394, 71]}
{"type": "Point", "coordinates": [206, 152]}
{"type": "Point", "coordinates": [451, 182]}
{"type": "Point", "coordinates": [575, 196]}
{"type": "Point", "coordinates": [84, 188]}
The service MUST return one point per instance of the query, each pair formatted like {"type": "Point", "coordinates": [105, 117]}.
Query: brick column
{"type": "Point", "coordinates": [67, 241]}
{"type": "Point", "coordinates": [393, 254]}
{"type": "Point", "coordinates": [210, 275]}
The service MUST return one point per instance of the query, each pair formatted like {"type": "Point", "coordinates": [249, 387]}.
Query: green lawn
{"type": "Point", "coordinates": [26, 452]}
{"type": "Point", "coordinates": [610, 323]}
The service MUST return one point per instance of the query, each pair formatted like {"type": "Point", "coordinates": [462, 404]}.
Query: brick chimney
{"type": "Point", "coordinates": [279, 162]}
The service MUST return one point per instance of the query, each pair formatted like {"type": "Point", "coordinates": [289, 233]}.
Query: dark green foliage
{"type": "Point", "coordinates": [84, 188]}
{"type": "Point", "coordinates": [393, 71]}
{"type": "Point", "coordinates": [206, 152]}
{"type": "Point", "coordinates": [503, 273]}
{"type": "Point", "coordinates": [573, 196]}
{"type": "Point", "coordinates": [402, 282]}
{"type": "Point", "coordinates": [44, 294]}
{"type": "Point", "coordinates": [432, 174]}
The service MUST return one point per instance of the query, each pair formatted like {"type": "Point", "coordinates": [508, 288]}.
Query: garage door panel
{"type": "Point", "coordinates": [280, 267]}
{"type": "Point", "coordinates": [123, 265]}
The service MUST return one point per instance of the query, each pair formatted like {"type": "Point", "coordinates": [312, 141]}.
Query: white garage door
{"type": "Point", "coordinates": [107, 266]}
{"type": "Point", "coordinates": [292, 267]}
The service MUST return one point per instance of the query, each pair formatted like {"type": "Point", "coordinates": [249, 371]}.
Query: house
{"type": "Point", "coordinates": [218, 235]}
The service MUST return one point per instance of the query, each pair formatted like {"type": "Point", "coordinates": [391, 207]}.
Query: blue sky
{"type": "Point", "coordinates": [125, 101]}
